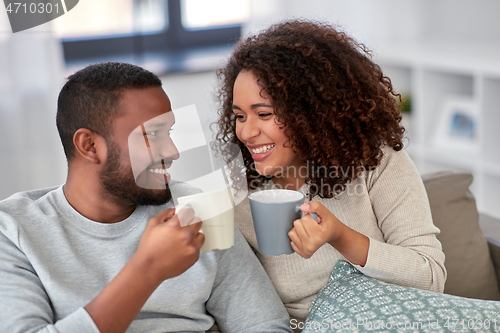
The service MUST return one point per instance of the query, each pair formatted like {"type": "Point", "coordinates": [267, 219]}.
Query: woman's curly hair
{"type": "Point", "coordinates": [337, 107]}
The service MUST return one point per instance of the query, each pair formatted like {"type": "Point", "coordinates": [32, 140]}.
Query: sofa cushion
{"type": "Point", "coordinates": [355, 302]}
{"type": "Point", "coordinates": [470, 269]}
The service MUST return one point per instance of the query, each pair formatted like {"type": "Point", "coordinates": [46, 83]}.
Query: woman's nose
{"type": "Point", "coordinates": [248, 130]}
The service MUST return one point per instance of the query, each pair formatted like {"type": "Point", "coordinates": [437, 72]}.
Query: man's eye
{"type": "Point", "coordinates": [152, 134]}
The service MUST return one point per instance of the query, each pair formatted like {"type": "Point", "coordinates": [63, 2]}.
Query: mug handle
{"type": "Point", "coordinates": [178, 211]}
{"type": "Point", "coordinates": [313, 215]}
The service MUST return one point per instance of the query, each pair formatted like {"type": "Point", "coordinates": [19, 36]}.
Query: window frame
{"type": "Point", "coordinates": [175, 38]}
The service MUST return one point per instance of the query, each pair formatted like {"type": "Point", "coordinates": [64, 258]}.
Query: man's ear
{"type": "Point", "coordinates": [90, 146]}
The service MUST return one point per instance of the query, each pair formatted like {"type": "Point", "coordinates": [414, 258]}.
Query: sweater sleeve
{"type": "Point", "coordinates": [256, 307]}
{"type": "Point", "coordinates": [25, 306]}
{"type": "Point", "coordinates": [411, 254]}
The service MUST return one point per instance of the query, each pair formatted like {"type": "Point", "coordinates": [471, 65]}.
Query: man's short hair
{"type": "Point", "coordinates": [90, 99]}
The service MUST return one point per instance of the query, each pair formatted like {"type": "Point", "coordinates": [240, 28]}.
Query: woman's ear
{"type": "Point", "coordinates": [90, 146]}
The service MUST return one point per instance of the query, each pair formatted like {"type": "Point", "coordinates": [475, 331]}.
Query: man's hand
{"type": "Point", "coordinates": [166, 248]}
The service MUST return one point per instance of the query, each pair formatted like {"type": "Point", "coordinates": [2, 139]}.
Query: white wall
{"type": "Point", "coordinates": [31, 155]}
{"type": "Point", "coordinates": [198, 89]}
{"type": "Point", "coordinates": [31, 74]}
{"type": "Point", "coordinates": [380, 22]}
{"type": "Point", "coordinates": [462, 20]}
{"type": "Point", "coordinates": [370, 22]}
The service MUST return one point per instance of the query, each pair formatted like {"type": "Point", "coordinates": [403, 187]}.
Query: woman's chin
{"type": "Point", "coordinates": [264, 170]}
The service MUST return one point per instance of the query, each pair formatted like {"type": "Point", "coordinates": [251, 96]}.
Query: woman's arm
{"type": "Point", "coordinates": [409, 255]}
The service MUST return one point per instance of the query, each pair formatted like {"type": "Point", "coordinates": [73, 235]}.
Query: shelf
{"type": "Point", "coordinates": [490, 127]}
{"type": "Point", "coordinates": [447, 79]}
{"type": "Point", "coordinates": [400, 77]}
{"type": "Point", "coordinates": [443, 55]}
{"type": "Point", "coordinates": [491, 192]}
{"type": "Point", "coordinates": [460, 160]}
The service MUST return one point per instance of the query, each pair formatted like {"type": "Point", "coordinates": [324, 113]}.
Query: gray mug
{"type": "Point", "coordinates": [273, 213]}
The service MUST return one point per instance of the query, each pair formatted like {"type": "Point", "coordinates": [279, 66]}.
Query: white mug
{"type": "Point", "coordinates": [216, 210]}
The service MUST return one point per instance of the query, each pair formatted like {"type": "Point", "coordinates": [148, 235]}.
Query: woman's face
{"type": "Point", "coordinates": [258, 129]}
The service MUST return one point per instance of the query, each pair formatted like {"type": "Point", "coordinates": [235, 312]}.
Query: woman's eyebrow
{"type": "Point", "coordinates": [260, 105]}
{"type": "Point", "coordinates": [254, 106]}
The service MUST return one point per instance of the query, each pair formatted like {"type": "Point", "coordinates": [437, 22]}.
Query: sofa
{"type": "Point", "coordinates": [471, 245]}
{"type": "Point", "coordinates": [471, 241]}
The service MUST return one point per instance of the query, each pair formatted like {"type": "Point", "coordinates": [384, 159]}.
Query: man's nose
{"type": "Point", "coordinates": [169, 150]}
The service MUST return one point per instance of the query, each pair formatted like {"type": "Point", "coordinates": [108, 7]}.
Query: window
{"type": "Point", "coordinates": [203, 13]}
{"type": "Point", "coordinates": [142, 26]}
{"type": "Point", "coordinates": [114, 17]}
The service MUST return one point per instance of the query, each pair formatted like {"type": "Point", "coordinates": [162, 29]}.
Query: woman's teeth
{"type": "Point", "coordinates": [263, 149]}
{"type": "Point", "coordinates": [162, 171]}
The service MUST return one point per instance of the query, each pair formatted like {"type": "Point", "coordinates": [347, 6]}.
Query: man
{"type": "Point", "coordinates": [102, 254]}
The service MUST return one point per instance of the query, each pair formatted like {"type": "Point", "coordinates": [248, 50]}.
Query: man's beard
{"type": "Point", "coordinates": [120, 185]}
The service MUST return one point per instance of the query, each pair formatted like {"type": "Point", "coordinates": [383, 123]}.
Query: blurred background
{"type": "Point", "coordinates": [442, 56]}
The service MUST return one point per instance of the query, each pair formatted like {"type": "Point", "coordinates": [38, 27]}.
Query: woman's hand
{"type": "Point", "coordinates": [308, 236]}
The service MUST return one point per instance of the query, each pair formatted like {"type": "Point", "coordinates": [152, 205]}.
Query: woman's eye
{"type": "Point", "coordinates": [239, 116]}
{"type": "Point", "coordinates": [265, 115]}
{"type": "Point", "coordinates": [152, 134]}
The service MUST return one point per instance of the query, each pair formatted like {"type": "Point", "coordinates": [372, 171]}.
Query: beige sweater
{"type": "Point", "coordinates": [390, 206]}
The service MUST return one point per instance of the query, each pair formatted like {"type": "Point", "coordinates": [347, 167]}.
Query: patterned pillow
{"type": "Point", "coordinates": [355, 302]}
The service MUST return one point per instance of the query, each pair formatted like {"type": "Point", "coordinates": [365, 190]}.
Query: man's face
{"type": "Point", "coordinates": [140, 150]}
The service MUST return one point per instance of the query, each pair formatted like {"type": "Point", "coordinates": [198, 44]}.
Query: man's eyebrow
{"type": "Point", "coordinates": [158, 125]}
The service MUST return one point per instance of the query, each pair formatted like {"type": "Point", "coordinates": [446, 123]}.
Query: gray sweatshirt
{"type": "Point", "coordinates": [53, 261]}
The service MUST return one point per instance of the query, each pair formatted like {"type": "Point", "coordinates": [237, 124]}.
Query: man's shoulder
{"type": "Point", "coordinates": [24, 209]}
{"type": "Point", "coordinates": [21, 201]}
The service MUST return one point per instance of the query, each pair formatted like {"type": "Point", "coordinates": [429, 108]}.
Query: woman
{"type": "Point", "coordinates": [311, 112]}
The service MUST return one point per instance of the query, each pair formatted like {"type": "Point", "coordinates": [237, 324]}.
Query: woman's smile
{"type": "Point", "coordinates": [259, 153]}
